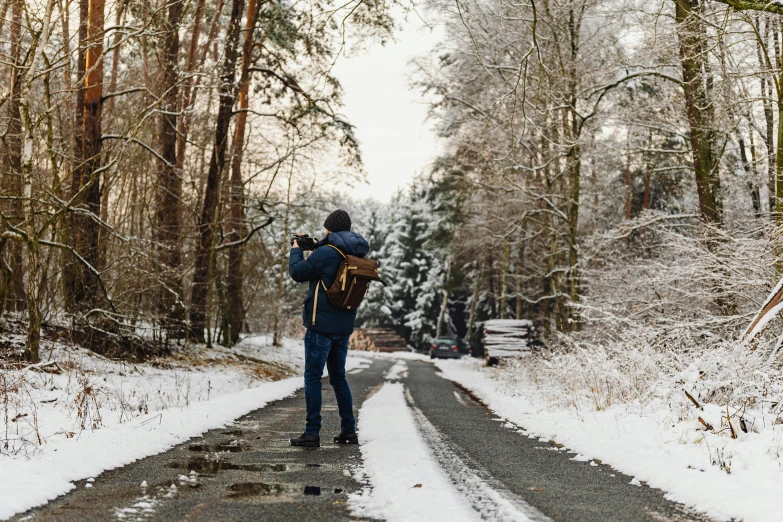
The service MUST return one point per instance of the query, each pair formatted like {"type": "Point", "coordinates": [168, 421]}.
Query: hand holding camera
{"type": "Point", "coordinates": [303, 241]}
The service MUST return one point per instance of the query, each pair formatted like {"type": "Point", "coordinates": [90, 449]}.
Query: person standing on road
{"type": "Point", "coordinates": [328, 331]}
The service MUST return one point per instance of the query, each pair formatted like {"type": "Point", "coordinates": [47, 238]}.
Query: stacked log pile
{"type": "Point", "coordinates": [505, 338]}
{"type": "Point", "coordinates": [377, 340]}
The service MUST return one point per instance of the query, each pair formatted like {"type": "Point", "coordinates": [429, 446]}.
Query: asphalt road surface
{"type": "Point", "coordinates": [248, 471]}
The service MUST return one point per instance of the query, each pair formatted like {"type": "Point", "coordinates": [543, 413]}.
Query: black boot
{"type": "Point", "coordinates": [307, 441]}
{"type": "Point", "coordinates": [347, 437]}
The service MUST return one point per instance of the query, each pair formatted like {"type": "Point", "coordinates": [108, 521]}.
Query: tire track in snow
{"type": "Point", "coordinates": [488, 498]}
{"type": "Point", "coordinates": [403, 480]}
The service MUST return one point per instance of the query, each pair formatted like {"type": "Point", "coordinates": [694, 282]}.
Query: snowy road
{"type": "Point", "coordinates": [429, 452]}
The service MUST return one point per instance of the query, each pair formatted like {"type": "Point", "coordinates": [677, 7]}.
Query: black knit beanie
{"type": "Point", "coordinates": [337, 221]}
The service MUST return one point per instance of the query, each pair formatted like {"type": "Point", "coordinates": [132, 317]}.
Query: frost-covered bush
{"type": "Point", "coordinates": [676, 281]}
{"type": "Point", "coordinates": [633, 371]}
{"type": "Point", "coordinates": [666, 303]}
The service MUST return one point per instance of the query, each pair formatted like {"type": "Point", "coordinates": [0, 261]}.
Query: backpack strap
{"type": "Point", "coordinates": [340, 251]}
{"type": "Point", "coordinates": [315, 299]}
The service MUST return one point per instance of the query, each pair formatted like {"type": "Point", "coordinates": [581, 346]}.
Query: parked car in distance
{"type": "Point", "coordinates": [445, 348]}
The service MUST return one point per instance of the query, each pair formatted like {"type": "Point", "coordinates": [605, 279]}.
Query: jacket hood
{"type": "Point", "coordinates": [350, 243]}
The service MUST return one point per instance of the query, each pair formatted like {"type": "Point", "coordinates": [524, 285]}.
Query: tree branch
{"type": "Point", "coordinates": [754, 5]}
{"type": "Point", "coordinates": [247, 237]}
{"type": "Point", "coordinates": [83, 261]}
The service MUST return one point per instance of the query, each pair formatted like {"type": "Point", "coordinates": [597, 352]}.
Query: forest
{"type": "Point", "coordinates": [610, 169]}
{"type": "Point", "coordinates": [154, 156]}
{"type": "Point", "coordinates": [613, 172]}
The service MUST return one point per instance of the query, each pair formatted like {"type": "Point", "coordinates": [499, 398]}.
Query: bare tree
{"type": "Point", "coordinates": [170, 180]}
{"type": "Point", "coordinates": [11, 287]}
{"type": "Point", "coordinates": [206, 225]}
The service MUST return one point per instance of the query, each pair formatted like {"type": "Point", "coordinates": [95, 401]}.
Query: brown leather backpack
{"type": "Point", "coordinates": [350, 284]}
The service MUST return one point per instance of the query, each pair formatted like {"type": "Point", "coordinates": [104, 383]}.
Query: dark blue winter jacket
{"type": "Point", "coordinates": [322, 265]}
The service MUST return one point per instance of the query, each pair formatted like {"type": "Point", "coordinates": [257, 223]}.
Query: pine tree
{"type": "Point", "coordinates": [412, 259]}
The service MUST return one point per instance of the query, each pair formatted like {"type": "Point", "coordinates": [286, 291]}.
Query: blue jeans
{"type": "Point", "coordinates": [329, 350]}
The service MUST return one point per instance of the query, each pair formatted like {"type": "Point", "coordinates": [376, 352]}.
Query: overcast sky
{"type": "Point", "coordinates": [396, 140]}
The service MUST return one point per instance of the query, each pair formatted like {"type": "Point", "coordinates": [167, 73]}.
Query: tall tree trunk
{"type": "Point", "coordinates": [692, 59]}
{"type": "Point", "coordinates": [91, 135]}
{"type": "Point", "coordinates": [12, 293]}
{"type": "Point", "coordinates": [277, 334]}
{"type": "Point", "coordinates": [115, 61]}
{"type": "Point", "coordinates": [72, 276]}
{"type": "Point", "coordinates": [492, 272]}
{"type": "Point", "coordinates": [753, 189]}
{"type": "Point", "coordinates": [474, 300]}
{"type": "Point", "coordinates": [628, 188]}
{"type": "Point", "coordinates": [206, 224]}
{"type": "Point", "coordinates": [169, 190]}
{"type": "Point", "coordinates": [552, 283]}
{"type": "Point", "coordinates": [574, 274]}
{"type": "Point", "coordinates": [756, 191]}
{"type": "Point", "coordinates": [444, 306]}
{"type": "Point", "coordinates": [766, 101]}
{"type": "Point", "coordinates": [3, 12]}
{"type": "Point", "coordinates": [236, 214]}
{"type": "Point", "coordinates": [34, 287]}
{"type": "Point", "coordinates": [573, 126]}
{"type": "Point", "coordinates": [277, 330]}
{"type": "Point", "coordinates": [520, 263]}
{"type": "Point", "coordinates": [68, 129]}
{"type": "Point", "coordinates": [779, 151]}
{"type": "Point", "coordinates": [505, 262]}
{"type": "Point", "coordinates": [80, 283]}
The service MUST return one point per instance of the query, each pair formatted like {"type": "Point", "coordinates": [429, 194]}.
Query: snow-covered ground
{"type": "Point", "coordinates": [392, 356]}
{"type": "Point", "coordinates": [427, 481]}
{"type": "Point", "coordinates": [660, 442]}
{"type": "Point", "coordinates": [401, 485]}
{"type": "Point", "coordinates": [96, 414]}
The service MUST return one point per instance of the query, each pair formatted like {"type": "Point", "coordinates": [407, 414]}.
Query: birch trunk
{"type": "Point", "coordinates": [32, 342]}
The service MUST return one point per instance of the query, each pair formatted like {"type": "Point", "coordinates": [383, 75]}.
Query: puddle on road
{"type": "Point", "coordinates": [216, 448]}
{"type": "Point", "coordinates": [312, 490]}
{"type": "Point", "coordinates": [211, 467]}
{"type": "Point", "coordinates": [253, 489]}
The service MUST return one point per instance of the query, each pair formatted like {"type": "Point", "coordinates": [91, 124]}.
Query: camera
{"type": "Point", "coordinates": [305, 241]}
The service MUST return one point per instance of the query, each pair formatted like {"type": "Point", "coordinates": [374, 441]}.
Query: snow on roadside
{"type": "Point", "coordinates": [26, 483]}
{"type": "Point", "coordinates": [100, 414]}
{"type": "Point", "coordinates": [397, 372]}
{"type": "Point", "coordinates": [392, 356]}
{"type": "Point", "coordinates": [722, 477]}
{"type": "Point", "coordinates": [406, 484]}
